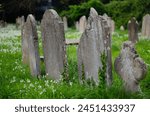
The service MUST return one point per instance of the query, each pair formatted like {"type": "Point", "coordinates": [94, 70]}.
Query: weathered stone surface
{"type": "Point", "coordinates": [112, 26]}
{"type": "Point", "coordinates": [146, 26]}
{"type": "Point", "coordinates": [82, 24]}
{"type": "Point", "coordinates": [72, 41]}
{"type": "Point", "coordinates": [65, 23]}
{"type": "Point", "coordinates": [93, 43]}
{"type": "Point", "coordinates": [32, 41]}
{"type": "Point", "coordinates": [53, 41]}
{"type": "Point", "coordinates": [130, 67]}
{"type": "Point", "coordinates": [25, 46]}
{"type": "Point", "coordinates": [111, 23]}
{"type": "Point", "coordinates": [133, 30]}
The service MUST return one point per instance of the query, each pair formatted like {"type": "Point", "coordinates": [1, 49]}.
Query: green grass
{"type": "Point", "coordinates": [16, 81]}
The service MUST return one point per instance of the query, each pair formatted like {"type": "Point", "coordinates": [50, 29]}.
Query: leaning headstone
{"type": "Point", "coordinates": [25, 46]}
{"type": "Point", "coordinates": [53, 44]}
{"type": "Point", "coordinates": [32, 39]}
{"type": "Point", "coordinates": [133, 30]}
{"type": "Point", "coordinates": [146, 26]}
{"type": "Point", "coordinates": [122, 28]}
{"type": "Point", "coordinates": [130, 67]}
{"type": "Point", "coordinates": [93, 44]}
{"type": "Point", "coordinates": [82, 24]}
{"type": "Point", "coordinates": [65, 23]}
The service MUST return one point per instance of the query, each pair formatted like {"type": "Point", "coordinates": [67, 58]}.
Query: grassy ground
{"type": "Point", "coordinates": [16, 81]}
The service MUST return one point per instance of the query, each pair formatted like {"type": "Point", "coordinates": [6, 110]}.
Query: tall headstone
{"type": "Point", "coordinates": [112, 26]}
{"type": "Point", "coordinates": [82, 24]}
{"type": "Point", "coordinates": [32, 41]}
{"type": "Point", "coordinates": [95, 42]}
{"type": "Point", "coordinates": [65, 23]}
{"type": "Point", "coordinates": [133, 30]}
{"type": "Point", "coordinates": [53, 41]}
{"type": "Point", "coordinates": [146, 26]}
{"type": "Point", "coordinates": [130, 67]}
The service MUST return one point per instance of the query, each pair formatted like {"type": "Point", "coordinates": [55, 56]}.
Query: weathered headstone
{"type": "Point", "coordinates": [122, 28]}
{"type": "Point", "coordinates": [111, 22]}
{"type": "Point", "coordinates": [146, 26]}
{"type": "Point", "coordinates": [130, 67]}
{"type": "Point", "coordinates": [133, 30]}
{"type": "Point", "coordinates": [25, 46]}
{"type": "Point", "coordinates": [82, 24]}
{"type": "Point", "coordinates": [53, 41]}
{"type": "Point", "coordinates": [112, 26]}
{"type": "Point", "coordinates": [32, 41]}
{"type": "Point", "coordinates": [65, 23]}
{"type": "Point", "coordinates": [20, 21]}
{"type": "Point", "coordinates": [93, 44]}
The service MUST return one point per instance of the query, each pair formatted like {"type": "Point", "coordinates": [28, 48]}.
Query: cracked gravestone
{"type": "Point", "coordinates": [94, 42]}
{"type": "Point", "coordinates": [130, 67]}
{"type": "Point", "coordinates": [53, 41]}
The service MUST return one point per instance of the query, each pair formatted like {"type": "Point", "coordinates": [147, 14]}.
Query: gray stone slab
{"type": "Point", "coordinates": [82, 24]}
{"type": "Point", "coordinates": [32, 40]}
{"type": "Point", "coordinates": [65, 23]}
{"type": "Point", "coordinates": [133, 30]}
{"type": "Point", "coordinates": [93, 44]}
{"type": "Point", "coordinates": [53, 40]}
{"type": "Point", "coordinates": [146, 26]}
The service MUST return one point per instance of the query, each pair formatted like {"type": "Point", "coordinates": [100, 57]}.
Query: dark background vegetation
{"type": "Point", "coordinates": [120, 10]}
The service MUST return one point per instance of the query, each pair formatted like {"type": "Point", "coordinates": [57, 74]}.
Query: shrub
{"type": "Point", "coordinates": [76, 11]}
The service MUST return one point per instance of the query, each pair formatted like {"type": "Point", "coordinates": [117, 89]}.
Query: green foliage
{"type": "Point", "coordinates": [76, 11]}
{"type": "Point", "coordinates": [122, 11]}
{"type": "Point", "coordinates": [102, 72]}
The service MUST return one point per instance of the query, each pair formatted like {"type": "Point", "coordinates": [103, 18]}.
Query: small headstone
{"type": "Point", "coordinates": [146, 26]}
{"type": "Point", "coordinates": [133, 30]}
{"type": "Point", "coordinates": [65, 23]}
{"type": "Point", "coordinates": [77, 25]}
{"type": "Point", "coordinates": [82, 24]}
{"type": "Point", "coordinates": [112, 26]}
{"type": "Point", "coordinates": [122, 28]}
{"type": "Point", "coordinates": [53, 40]}
{"type": "Point", "coordinates": [32, 39]}
{"type": "Point", "coordinates": [93, 44]}
{"type": "Point", "coordinates": [130, 67]}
